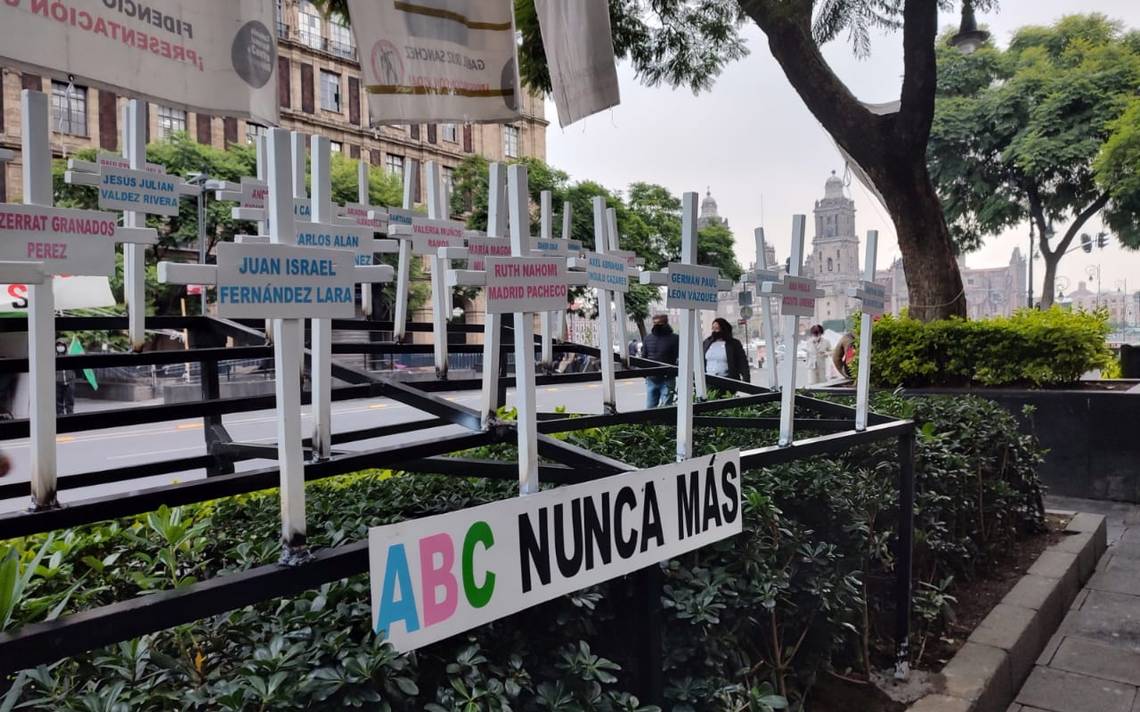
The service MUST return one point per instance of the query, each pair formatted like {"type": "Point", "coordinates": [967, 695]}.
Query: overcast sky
{"type": "Point", "coordinates": [751, 136]}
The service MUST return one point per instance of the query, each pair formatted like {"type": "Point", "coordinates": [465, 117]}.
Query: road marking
{"type": "Point", "coordinates": [188, 426]}
{"type": "Point", "coordinates": [129, 455]}
{"type": "Point", "coordinates": [377, 406]}
{"type": "Point", "coordinates": [552, 390]}
{"type": "Point", "coordinates": [64, 438]}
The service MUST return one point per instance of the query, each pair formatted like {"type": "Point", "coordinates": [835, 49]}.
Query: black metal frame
{"type": "Point", "coordinates": [44, 642]}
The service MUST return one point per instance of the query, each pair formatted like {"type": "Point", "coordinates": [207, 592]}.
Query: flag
{"type": "Point", "coordinates": [77, 348]}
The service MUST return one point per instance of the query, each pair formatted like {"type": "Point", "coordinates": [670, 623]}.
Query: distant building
{"type": "Point", "coordinates": [1123, 307]}
{"type": "Point", "coordinates": [709, 214]}
{"type": "Point", "coordinates": [834, 259]}
{"type": "Point", "coordinates": [990, 291]}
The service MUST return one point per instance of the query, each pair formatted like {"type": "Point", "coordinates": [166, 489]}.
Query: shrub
{"type": "Point", "coordinates": [746, 622]}
{"type": "Point", "coordinates": [1031, 348]}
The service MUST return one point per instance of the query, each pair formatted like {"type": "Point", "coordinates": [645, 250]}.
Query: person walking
{"type": "Point", "coordinates": [818, 352]}
{"type": "Point", "coordinates": [661, 345]}
{"type": "Point", "coordinates": [724, 354]}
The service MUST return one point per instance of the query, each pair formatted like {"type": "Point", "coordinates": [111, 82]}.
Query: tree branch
{"type": "Point", "coordinates": [920, 73]}
{"type": "Point", "coordinates": [787, 25]}
{"type": "Point", "coordinates": [1079, 221]}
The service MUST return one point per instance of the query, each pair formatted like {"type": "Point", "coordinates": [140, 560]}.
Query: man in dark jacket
{"type": "Point", "coordinates": [662, 345]}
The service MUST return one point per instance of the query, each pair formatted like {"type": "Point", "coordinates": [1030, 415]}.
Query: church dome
{"type": "Point", "coordinates": [833, 188]}
{"type": "Point", "coordinates": [708, 206]}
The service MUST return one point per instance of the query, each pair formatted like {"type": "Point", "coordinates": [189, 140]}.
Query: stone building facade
{"type": "Point", "coordinates": [834, 258]}
{"type": "Point", "coordinates": [319, 89]}
{"type": "Point", "coordinates": [990, 291]}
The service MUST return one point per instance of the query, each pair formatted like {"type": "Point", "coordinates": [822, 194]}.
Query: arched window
{"type": "Point", "coordinates": [829, 265]}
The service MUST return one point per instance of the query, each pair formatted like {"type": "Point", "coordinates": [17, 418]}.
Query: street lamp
{"type": "Point", "coordinates": [969, 37]}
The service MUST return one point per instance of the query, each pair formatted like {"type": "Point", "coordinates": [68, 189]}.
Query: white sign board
{"type": "Point", "coordinates": [437, 576]}
{"type": "Point", "coordinates": [556, 246]}
{"type": "Point", "coordinates": [365, 216]}
{"type": "Point", "coordinates": [798, 297]}
{"type": "Point", "coordinates": [526, 284]}
{"type": "Point", "coordinates": [67, 241]}
{"type": "Point", "coordinates": [429, 235]}
{"type": "Point", "coordinates": [447, 60]}
{"type": "Point", "coordinates": [70, 291]}
{"type": "Point", "coordinates": [254, 193]}
{"type": "Point", "coordinates": [691, 287]}
{"type": "Point", "coordinates": [337, 237]}
{"type": "Point", "coordinates": [604, 271]}
{"type": "Point", "coordinates": [401, 216]}
{"type": "Point", "coordinates": [874, 298]}
{"type": "Point", "coordinates": [141, 191]}
{"type": "Point", "coordinates": [479, 248]}
{"type": "Point", "coordinates": [284, 282]}
{"type": "Point", "coordinates": [218, 56]}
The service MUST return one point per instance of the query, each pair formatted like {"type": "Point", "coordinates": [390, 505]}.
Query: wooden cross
{"type": "Point", "coordinates": [138, 189]}
{"type": "Point", "coordinates": [765, 273]}
{"type": "Point", "coordinates": [797, 298]}
{"type": "Point", "coordinates": [61, 241]}
{"type": "Point", "coordinates": [692, 289]}
{"type": "Point", "coordinates": [873, 298]}
{"type": "Point", "coordinates": [286, 283]}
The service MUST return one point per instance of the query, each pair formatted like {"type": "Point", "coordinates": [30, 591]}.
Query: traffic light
{"type": "Point", "coordinates": [1102, 240]}
{"type": "Point", "coordinates": [1086, 242]}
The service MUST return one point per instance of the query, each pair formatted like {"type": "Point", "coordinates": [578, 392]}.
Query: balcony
{"type": "Point", "coordinates": [282, 30]}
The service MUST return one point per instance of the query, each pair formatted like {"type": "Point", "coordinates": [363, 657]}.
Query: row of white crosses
{"type": "Point", "coordinates": [766, 273]}
{"type": "Point", "coordinates": [287, 283]}
{"type": "Point", "coordinates": [53, 241]}
{"type": "Point", "coordinates": [138, 189]}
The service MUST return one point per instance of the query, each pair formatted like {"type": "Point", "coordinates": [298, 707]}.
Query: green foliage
{"type": "Point", "coordinates": [748, 623]}
{"type": "Point", "coordinates": [1030, 348]}
{"type": "Point", "coordinates": [1040, 130]}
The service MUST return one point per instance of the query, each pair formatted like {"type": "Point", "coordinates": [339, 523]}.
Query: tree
{"type": "Point", "coordinates": [1042, 131]}
{"type": "Point", "coordinates": [688, 43]}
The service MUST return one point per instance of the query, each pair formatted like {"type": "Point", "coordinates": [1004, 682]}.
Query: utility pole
{"type": "Point", "coordinates": [1029, 257]}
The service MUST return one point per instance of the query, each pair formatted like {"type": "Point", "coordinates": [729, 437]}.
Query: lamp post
{"type": "Point", "coordinates": [969, 37]}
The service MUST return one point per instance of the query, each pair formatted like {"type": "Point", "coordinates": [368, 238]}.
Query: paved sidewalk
{"type": "Point", "coordinates": [1092, 664]}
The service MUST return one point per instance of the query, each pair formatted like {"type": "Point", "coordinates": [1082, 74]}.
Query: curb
{"type": "Point", "coordinates": [988, 671]}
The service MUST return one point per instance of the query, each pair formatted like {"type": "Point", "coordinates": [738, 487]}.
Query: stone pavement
{"type": "Point", "coordinates": [1092, 664]}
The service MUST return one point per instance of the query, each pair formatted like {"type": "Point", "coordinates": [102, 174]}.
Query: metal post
{"type": "Point", "coordinates": [519, 199]}
{"type": "Point", "coordinates": [362, 198]}
{"type": "Point", "coordinates": [791, 324]}
{"type": "Point", "coordinates": [493, 395]}
{"type": "Point", "coordinates": [404, 263]}
{"type": "Point", "coordinates": [866, 327]}
{"type": "Point", "coordinates": [689, 320]}
{"type": "Point", "coordinates": [904, 550]}
{"type": "Point", "coordinates": [441, 294]}
{"type": "Point", "coordinates": [134, 255]}
{"type": "Point", "coordinates": [41, 308]}
{"type": "Point", "coordinates": [320, 372]}
{"type": "Point", "coordinates": [287, 362]}
{"type": "Point", "coordinates": [1029, 257]}
{"type": "Point", "coordinates": [605, 320]}
{"type": "Point", "coordinates": [619, 297]}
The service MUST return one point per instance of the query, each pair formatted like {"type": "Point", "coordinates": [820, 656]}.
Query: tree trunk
{"type": "Point", "coordinates": [640, 321]}
{"type": "Point", "coordinates": [933, 281]}
{"type": "Point", "coordinates": [1048, 289]}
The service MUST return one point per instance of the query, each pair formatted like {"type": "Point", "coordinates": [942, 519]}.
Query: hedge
{"type": "Point", "coordinates": [1031, 348]}
{"type": "Point", "coordinates": [747, 621]}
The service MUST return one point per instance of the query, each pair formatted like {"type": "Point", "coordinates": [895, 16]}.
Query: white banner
{"type": "Point", "coordinates": [580, 55]}
{"type": "Point", "coordinates": [218, 56]}
{"type": "Point", "coordinates": [70, 293]}
{"type": "Point", "coordinates": [434, 577]}
{"type": "Point", "coordinates": [437, 60]}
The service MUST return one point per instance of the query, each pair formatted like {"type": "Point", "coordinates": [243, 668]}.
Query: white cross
{"type": "Point", "coordinates": [798, 295]}
{"type": "Point", "coordinates": [63, 241]}
{"type": "Point", "coordinates": [692, 289]}
{"type": "Point", "coordinates": [404, 263]}
{"type": "Point", "coordinates": [119, 179]}
{"type": "Point", "coordinates": [765, 273]}
{"type": "Point", "coordinates": [288, 284]}
{"type": "Point", "coordinates": [362, 213]}
{"type": "Point", "coordinates": [873, 298]}
{"type": "Point", "coordinates": [546, 321]}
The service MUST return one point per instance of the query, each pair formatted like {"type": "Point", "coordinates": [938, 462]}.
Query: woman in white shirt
{"type": "Point", "coordinates": [724, 355]}
{"type": "Point", "coordinates": [818, 352]}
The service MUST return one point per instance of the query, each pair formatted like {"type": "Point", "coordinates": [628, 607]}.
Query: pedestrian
{"type": "Point", "coordinates": [818, 352]}
{"type": "Point", "coordinates": [724, 354]}
{"type": "Point", "coordinates": [663, 346]}
{"type": "Point", "coordinates": [843, 354]}
{"type": "Point", "coordinates": [64, 384]}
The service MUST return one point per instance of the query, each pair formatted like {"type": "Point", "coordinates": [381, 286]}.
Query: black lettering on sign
{"type": "Point", "coordinates": [625, 547]}
{"type": "Point", "coordinates": [688, 504]}
{"type": "Point", "coordinates": [598, 530]}
{"type": "Point", "coordinates": [651, 519]}
{"type": "Point", "coordinates": [728, 478]}
{"type": "Point", "coordinates": [568, 565]}
{"type": "Point", "coordinates": [712, 499]}
{"type": "Point", "coordinates": [534, 551]}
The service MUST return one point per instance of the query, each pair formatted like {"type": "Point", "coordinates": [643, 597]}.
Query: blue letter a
{"type": "Point", "coordinates": [404, 609]}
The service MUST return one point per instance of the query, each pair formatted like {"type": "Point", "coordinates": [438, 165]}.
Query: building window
{"type": "Point", "coordinates": [336, 147]}
{"type": "Point", "coordinates": [341, 42]}
{"type": "Point", "coordinates": [170, 121]}
{"type": "Point", "coordinates": [69, 109]}
{"type": "Point", "coordinates": [252, 131]}
{"type": "Point", "coordinates": [279, 16]}
{"type": "Point", "coordinates": [830, 265]}
{"type": "Point", "coordinates": [450, 132]}
{"type": "Point", "coordinates": [511, 141]}
{"type": "Point", "coordinates": [330, 91]}
{"type": "Point", "coordinates": [394, 164]}
{"type": "Point", "coordinates": [310, 25]}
